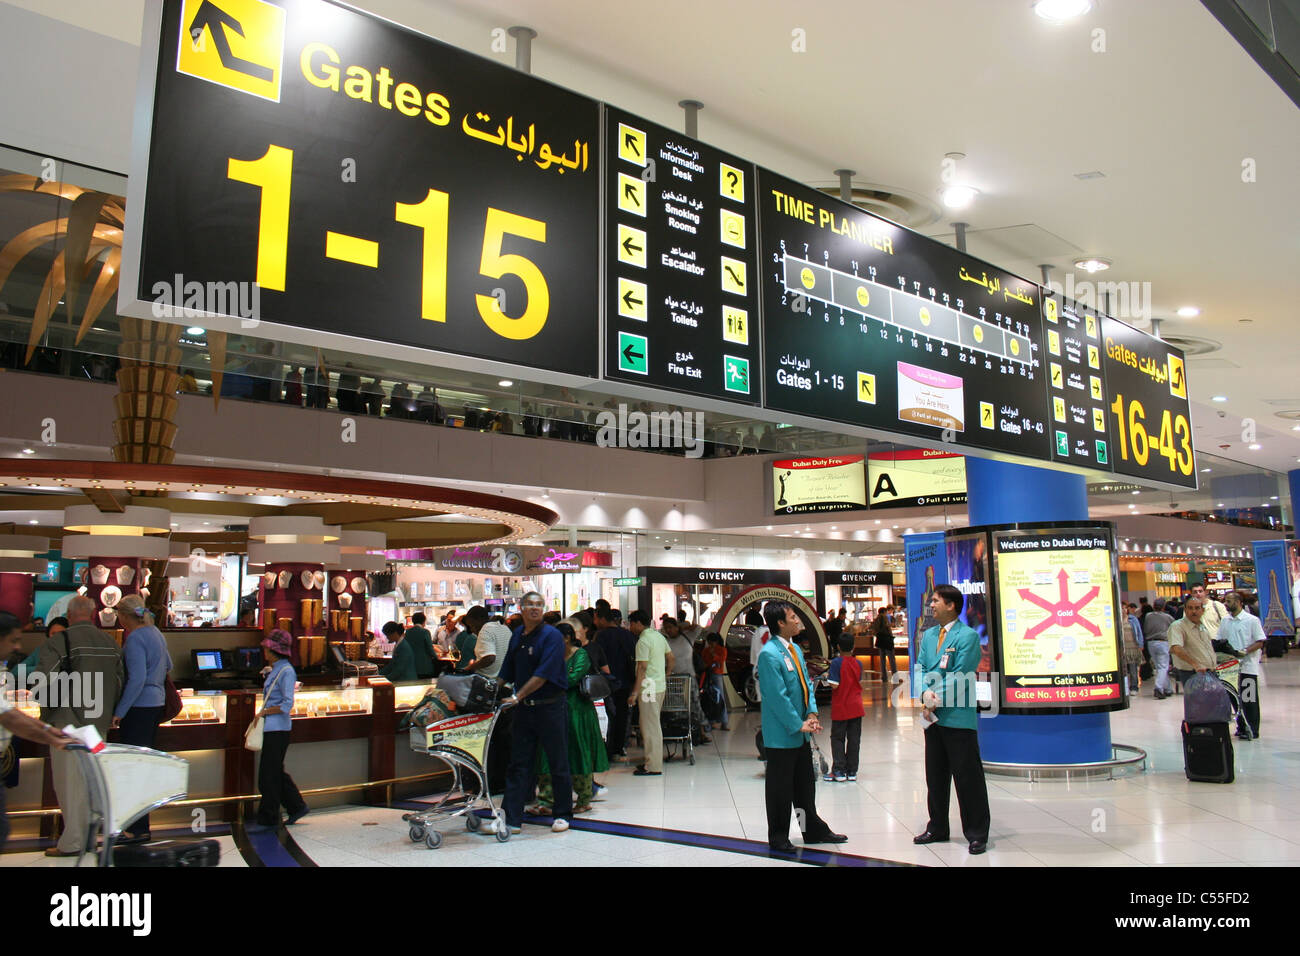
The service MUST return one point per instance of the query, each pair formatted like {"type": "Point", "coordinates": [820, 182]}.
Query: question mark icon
{"type": "Point", "coordinates": [735, 180]}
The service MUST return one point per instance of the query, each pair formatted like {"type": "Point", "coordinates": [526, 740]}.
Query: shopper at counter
{"type": "Point", "coordinates": [140, 710]}
{"type": "Point", "coordinates": [586, 748]}
{"type": "Point", "coordinates": [402, 665]}
{"type": "Point", "coordinates": [535, 667]}
{"type": "Point", "coordinates": [421, 646]}
{"type": "Point", "coordinates": [278, 788]}
{"type": "Point", "coordinates": [93, 657]}
{"type": "Point", "coordinates": [14, 721]}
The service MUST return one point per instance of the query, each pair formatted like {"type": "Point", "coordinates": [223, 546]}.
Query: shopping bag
{"type": "Point", "coordinates": [253, 735]}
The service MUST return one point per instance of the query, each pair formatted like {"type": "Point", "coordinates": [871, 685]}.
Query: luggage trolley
{"type": "Point", "coordinates": [1228, 670]}
{"type": "Point", "coordinates": [462, 743]}
{"type": "Point", "coordinates": [676, 714]}
{"type": "Point", "coordinates": [123, 784]}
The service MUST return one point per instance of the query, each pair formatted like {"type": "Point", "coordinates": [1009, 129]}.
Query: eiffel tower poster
{"type": "Point", "coordinates": [1277, 623]}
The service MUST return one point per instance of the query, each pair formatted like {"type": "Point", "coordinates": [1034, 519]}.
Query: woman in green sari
{"type": "Point", "coordinates": [586, 745]}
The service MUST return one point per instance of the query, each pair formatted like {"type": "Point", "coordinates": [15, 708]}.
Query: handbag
{"type": "Point", "coordinates": [171, 700]}
{"type": "Point", "coordinates": [595, 686]}
{"type": "Point", "coordinates": [253, 735]}
{"type": "Point", "coordinates": [1145, 670]}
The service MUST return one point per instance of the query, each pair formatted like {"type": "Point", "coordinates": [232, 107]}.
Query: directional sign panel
{"type": "Point", "coordinates": [281, 172]}
{"type": "Point", "coordinates": [1150, 421]}
{"type": "Point", "coordinates": [680, 262]}
{"type": "Point", "coordinates": [1057, 634]}
{"type": "Point", "coordinates": [868, 323]}
{"type": "Point", "coordinates": [1076, 386]}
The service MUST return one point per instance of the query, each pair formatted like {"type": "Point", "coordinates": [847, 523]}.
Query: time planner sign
{"type": "Point", "coordinates": [365, 181]}
{"type": "Point", "coordinates": [868, 323]}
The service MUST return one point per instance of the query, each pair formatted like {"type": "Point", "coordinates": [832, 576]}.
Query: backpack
{"type": "Point", "coordinates": [711, 701]}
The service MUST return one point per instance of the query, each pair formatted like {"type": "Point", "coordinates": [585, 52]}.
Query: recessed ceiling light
{"type": "Point", "coordinates": [1062, 10]}
{"type": "Point", "coordinates": [1137, 492]}
{"type": "Point", "coordinates": [1219, 505]}
{"type": "Point", "coordinates": [195, 330]}
{"type": "Point", "coordinates": [958, 196]}
{"type": "Point", "coordinates": [1188, 312]}
{"type": "Point", "coordinates": [33, 521]}
{"type": "Point", "coordinates": [207, 522]}
{"type": "Point", "coordinates": [1255, 446]}
{"type": "Point", "coordinates": [1205, 469]}
{"type": "Point", "coordinates": [29, 451]}
{"type": "Point", "coordinates": [1219, 398]}
{"type": "Point", "coordinates": [505, 383]}
{"type": "Point", "coordinates": [1092, 264]}
{"type": "Point", "coordinates": [1273, 498]}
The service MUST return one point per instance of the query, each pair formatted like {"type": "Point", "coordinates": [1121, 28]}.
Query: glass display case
{"type": "Point", "coordinates": [330, 702]}
{"type": "Point", "coordinates": [199, 707]}
{"type": "Point", "coordinates": [24, 702]}
{"type": "Point", "coordinates": [406, 696]}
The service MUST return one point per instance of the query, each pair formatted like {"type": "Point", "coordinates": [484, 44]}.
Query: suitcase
{"type": "Point", "coordinates": [168, 853]}
{"type": "Point", "coordinates": [1275, 647]}
{"type": "Point", "coordinates": [1207, 752]}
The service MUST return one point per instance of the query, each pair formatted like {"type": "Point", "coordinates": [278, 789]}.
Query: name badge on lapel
{"type": "Point", "coordinates": [789, 664]}
{"type": "Point", "coordinates": [943, 662]}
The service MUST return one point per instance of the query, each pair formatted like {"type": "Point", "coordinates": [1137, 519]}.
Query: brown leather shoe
{"type": "Point", "coordinates": [55, 851]}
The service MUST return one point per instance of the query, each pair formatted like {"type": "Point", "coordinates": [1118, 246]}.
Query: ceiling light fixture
{"type": "Point", "coordinates": [1092, 264]}
{"type": "Point", "coordinates": [505, 383]}
{"type": "Point", "coordinates": [1219, 398]}
{"type": "Point", "coordinates": [1059, 11]}
{"type": "Point", "coordinates": [1188, 312]}
{"type": "Point", "coordinates": [29, 451]}
{"type": "Point", "coordinates": [959, 196]}
{"type": "Point", "coordinates": [195, 330]}
{"type": "Point", "coordinates": [1255, 446]}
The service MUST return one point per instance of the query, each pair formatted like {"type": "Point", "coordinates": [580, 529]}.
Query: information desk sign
{"type": "Point", "coordinates": [315, 167]}
{"type": "Point", "coordinates": [1149, 415]}
{"type": "Point", "coordinates": [1057, 640]}
{"type": "Point", "coordinates": [680, 263]}
{"type": "Point", "coordinates": [869, 323]}
{"type": "Point", "coordinates": [1076, 387]}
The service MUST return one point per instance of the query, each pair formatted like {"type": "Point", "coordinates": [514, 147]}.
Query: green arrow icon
{"type": "Point", "coordinates": [632, 353]}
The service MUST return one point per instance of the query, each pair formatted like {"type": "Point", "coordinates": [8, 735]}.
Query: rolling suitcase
{"type": "Point", "coordinates": [1275, 647]}
{"type": "Point", "coordinates": [1207, 752]}
{"type": "Point", "coordinates": [168, 853]}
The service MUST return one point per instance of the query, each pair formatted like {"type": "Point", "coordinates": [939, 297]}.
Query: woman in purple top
{"type": "Point", "coordinates": [139, 712]}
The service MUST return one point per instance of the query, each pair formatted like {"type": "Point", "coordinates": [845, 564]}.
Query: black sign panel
{"type": "Point", "coordinates": [868, 323]}
{"type": "Point", "coordinates": [1150, 423]}
{"type": "Point", "coordinates": [1076, 387]}
{"type": "Point", "coordinates": [374, 182]}
{"type": "Point", "coordinates": [681, 303]}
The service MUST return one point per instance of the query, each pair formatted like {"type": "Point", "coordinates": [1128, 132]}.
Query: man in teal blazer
{"type": "Point", "coordinates": [947, 660]}
{"type": "Point", "coordinates": [789, 717]}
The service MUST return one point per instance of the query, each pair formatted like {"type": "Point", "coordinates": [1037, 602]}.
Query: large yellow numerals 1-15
{"type": "Point", "coordinates": [273, 174]}
{"type": "Point", "coordinates": [1174, 441]}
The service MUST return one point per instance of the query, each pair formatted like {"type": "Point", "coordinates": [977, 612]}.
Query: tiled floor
{"type": "Point", "coordinates": [1144, 819]}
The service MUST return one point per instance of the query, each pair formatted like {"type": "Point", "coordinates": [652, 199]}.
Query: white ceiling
{"type": "Point", "coordinates": [1168, 112]}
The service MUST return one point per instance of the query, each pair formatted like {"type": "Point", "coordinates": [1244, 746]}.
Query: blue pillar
{"type": "Point", "coordinates": [1293, 476]}
{"type": "Point", "coordinates": [1002, 493]}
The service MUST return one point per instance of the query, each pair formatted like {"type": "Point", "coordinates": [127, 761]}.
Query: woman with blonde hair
{"type": "Point", "coordinates": [139, 712]}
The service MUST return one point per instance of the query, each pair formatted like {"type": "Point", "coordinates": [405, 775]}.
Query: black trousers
{"type": "Point", "coordinates": [1249, 704]}
{"type": "Point", "coordinates": [140, 729]}
{"type": "Point", "coordinates": [617, 709]}
{"type": "Point", "coordinates": [846, 736]}
{"type": "Point", "coordinates": [544, 725]}
{"type": "Point", "coordinates": [790, 782]}
{"type": "Point", "coordinates": [952, 754]}
{"type": "Point", "coordinates": [278, 788]}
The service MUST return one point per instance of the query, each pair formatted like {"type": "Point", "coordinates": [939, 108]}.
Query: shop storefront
{"type": "Point", "coordinates": [696, 594]}
{"type": "Point", "coordinates": [860, 593]}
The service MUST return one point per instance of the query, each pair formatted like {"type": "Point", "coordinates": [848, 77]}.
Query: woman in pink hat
{"type": "Point", "coordinates": [278, 788]}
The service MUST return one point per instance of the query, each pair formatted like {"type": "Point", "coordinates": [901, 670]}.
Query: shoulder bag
{"type": "Point", "coordinates": [253, 735]}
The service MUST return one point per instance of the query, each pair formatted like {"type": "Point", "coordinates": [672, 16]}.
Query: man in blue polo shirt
{"type": "Point", "coordinates": [534, 666]}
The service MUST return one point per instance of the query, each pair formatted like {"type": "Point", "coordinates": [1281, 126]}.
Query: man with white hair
{"type": "Point", "coordinates": [84, 676]}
